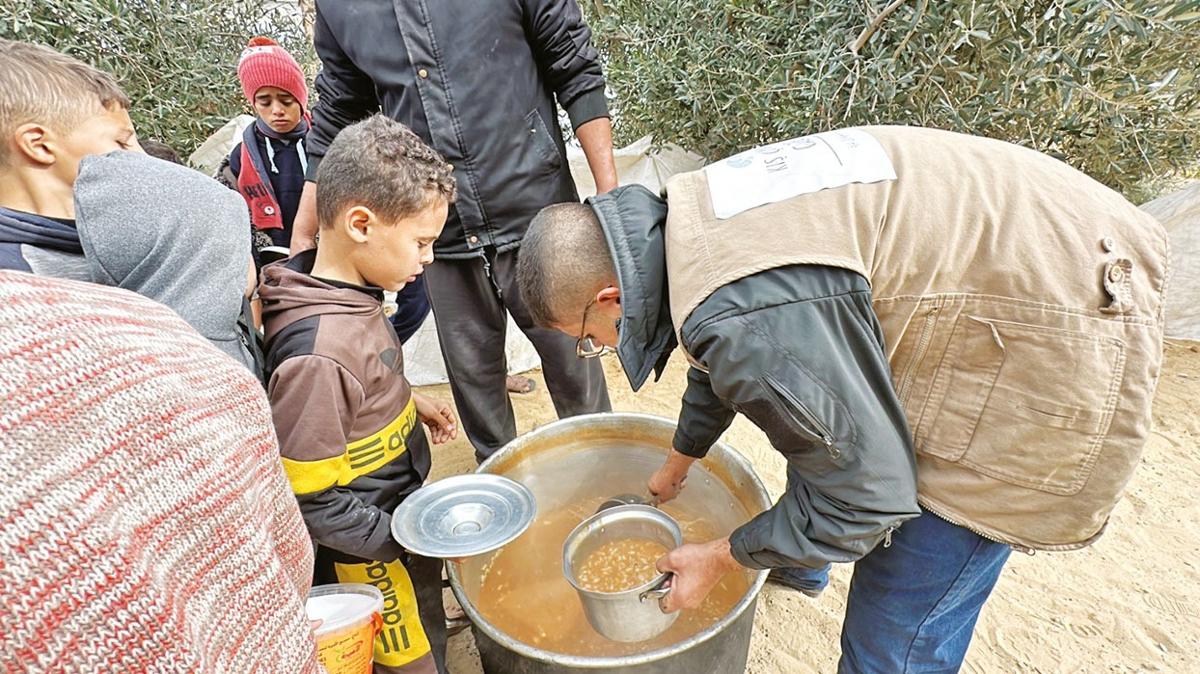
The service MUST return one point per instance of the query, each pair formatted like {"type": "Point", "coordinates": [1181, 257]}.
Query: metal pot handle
{"type": "Point", "coordinates": [659, 592]}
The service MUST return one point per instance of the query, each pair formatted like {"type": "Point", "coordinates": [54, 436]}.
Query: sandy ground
{"type": "Point", "coordinates": [1129, 603]}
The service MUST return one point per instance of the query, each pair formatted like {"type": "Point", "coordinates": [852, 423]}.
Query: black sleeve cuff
{"type": "Point", "coordinates": [384, 548]}
{"type": "Point", "coordinates": [688, 446]}
{"type": "Point", "coordinates": [739, 547]}
{"type": "Point", "coordinates": [586, 107]}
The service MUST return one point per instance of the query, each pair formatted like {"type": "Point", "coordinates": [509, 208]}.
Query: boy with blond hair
{"type": "Point", "coordinates": [54, 111]}
{"type": "Point", "coordinates": [74, 205]}
{"type": "Point", "coordinates": [345, 415]}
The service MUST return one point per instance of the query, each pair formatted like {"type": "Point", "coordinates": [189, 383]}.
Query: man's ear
{"type": "Point", "coordinates": [609, 298]}
{"type": "Point", "coordinates": [34, 142]}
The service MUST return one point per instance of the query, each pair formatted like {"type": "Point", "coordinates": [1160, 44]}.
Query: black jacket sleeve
{"type": "Point", "coordinates": [345, 95]}
{"type": "Point", "coordinates": [812, 374]}
{"type": "Point", "coordinates": [338, 519]}
{"type": "Point", "coordinates": [562, 46]}
{"type": "Point", "coordinates": [703, 417]}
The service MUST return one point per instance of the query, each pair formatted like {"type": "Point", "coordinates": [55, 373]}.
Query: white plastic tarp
{"type": "Point", "coordinates": [636, 164]}
{"type": "Point", "coordinates": [1179, 212]}
{"type": "Point", "coordinates": [216, 147]}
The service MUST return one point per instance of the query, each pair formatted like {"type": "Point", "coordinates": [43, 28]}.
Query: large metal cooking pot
{"type": "Point", "coordinates": [627, 448]}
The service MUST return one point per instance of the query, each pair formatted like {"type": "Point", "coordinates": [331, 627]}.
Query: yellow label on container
{"type": "Point", "coordinates": [402, 639]}
{"type": "Point", "coordinates": [348, 651]}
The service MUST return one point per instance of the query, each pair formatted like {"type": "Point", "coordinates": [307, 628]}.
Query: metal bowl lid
{"type": "Point", "coordinates": [463, 516]}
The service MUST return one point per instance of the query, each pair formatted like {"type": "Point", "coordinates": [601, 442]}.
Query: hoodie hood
{"type": "Point", "coordinates": [632, 218]}
{"type": "Point", "coordinates": [290, 293]}
{"type": "Point", "coordinates": [169, 233]}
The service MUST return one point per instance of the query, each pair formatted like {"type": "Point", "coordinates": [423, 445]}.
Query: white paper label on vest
{"type": "Point", "coordinates": [802, 165]}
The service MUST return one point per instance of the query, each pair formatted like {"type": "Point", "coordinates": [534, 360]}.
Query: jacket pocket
{"type": "Point", "coordinates": [796, 424]}
{"type": "Point", "coordinates": [543, 143]}
{"type": "Point", "coordinates": [1027, 404]}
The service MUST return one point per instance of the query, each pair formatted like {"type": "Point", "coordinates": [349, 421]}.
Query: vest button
{"type": "Point", "coordinates": [423, 73]}
{"type": "Point", "coordinates": [473, 239]}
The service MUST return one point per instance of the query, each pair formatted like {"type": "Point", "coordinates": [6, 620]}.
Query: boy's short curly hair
{"type": "Point", "coordinates": [381, 164]}
{"type": "Point", "coordinates": [39, 84]}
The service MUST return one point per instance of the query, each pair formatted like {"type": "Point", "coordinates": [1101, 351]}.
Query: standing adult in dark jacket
{"type": "Point", "coordinates": [478, 81]}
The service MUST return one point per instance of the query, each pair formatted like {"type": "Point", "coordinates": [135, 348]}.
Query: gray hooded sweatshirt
{"type": "Point", "coordinates": [171, 234]}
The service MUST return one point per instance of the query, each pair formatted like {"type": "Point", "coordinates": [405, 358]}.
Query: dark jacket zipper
{"type": "Point", "coordinates": [811, 424]}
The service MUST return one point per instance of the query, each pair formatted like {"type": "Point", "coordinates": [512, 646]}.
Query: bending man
{"type": "Point", "coordinates": [912, 317]}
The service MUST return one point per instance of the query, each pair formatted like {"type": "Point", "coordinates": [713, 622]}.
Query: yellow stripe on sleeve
{"type": "Point", "coordinates": [308, 477]}
{"type": "Point", "coordinates": [360, 458]}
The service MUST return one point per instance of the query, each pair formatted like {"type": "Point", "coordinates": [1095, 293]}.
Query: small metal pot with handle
{"type": "Point", "coordinates": [629, 615]}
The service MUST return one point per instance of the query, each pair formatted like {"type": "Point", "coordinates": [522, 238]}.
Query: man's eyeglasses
{"type": "Point", "coordinates": [585, 347]}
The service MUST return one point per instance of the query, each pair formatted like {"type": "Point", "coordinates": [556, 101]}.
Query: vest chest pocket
{"type": "Point", "coordinates": [1030, 405]}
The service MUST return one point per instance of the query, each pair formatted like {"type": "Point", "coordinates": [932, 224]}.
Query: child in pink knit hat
{"type": "Point", "coordinates": [270, 162]}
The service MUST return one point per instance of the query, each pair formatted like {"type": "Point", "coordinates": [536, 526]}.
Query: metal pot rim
{"type": "Point", "coordinates": [588, 662]}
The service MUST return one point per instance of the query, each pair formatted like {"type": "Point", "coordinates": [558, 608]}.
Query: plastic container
{"type": "Point", "coordinates": [350, 620]}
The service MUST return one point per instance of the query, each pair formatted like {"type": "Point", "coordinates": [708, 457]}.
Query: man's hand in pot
{"type": "Point", "coordinates": [697, 568]}
{"type": "Point", "coordinates": [668, 481]}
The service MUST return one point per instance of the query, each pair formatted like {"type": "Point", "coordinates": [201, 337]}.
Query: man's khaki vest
{"type": "Point", "coordinates": [1021, 305]}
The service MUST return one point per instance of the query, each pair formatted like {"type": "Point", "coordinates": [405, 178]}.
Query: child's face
{"type": "Point", "coordinates": [396, 253]}
{"type": "Point", "coordinates": [99, 134]}
{"type": "Point", "coordinates": [279, 109]}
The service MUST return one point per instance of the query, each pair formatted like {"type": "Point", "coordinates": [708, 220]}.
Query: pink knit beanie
{"type": "Point", "coordinates": [265, 64]}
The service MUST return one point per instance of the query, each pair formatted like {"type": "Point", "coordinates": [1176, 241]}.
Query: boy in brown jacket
{"type": "Point", "coordinates": [345, 415]}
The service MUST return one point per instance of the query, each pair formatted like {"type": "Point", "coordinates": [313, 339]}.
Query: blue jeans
{"type": "Point", "coordinates": [913, 605]}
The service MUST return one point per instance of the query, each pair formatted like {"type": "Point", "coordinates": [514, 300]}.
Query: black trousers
{"type": "Point", "coordinates": [469, 301]}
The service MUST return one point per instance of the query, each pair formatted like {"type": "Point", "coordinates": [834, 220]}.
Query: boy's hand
{"type": "Point", "coordinates": [438, 416]}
